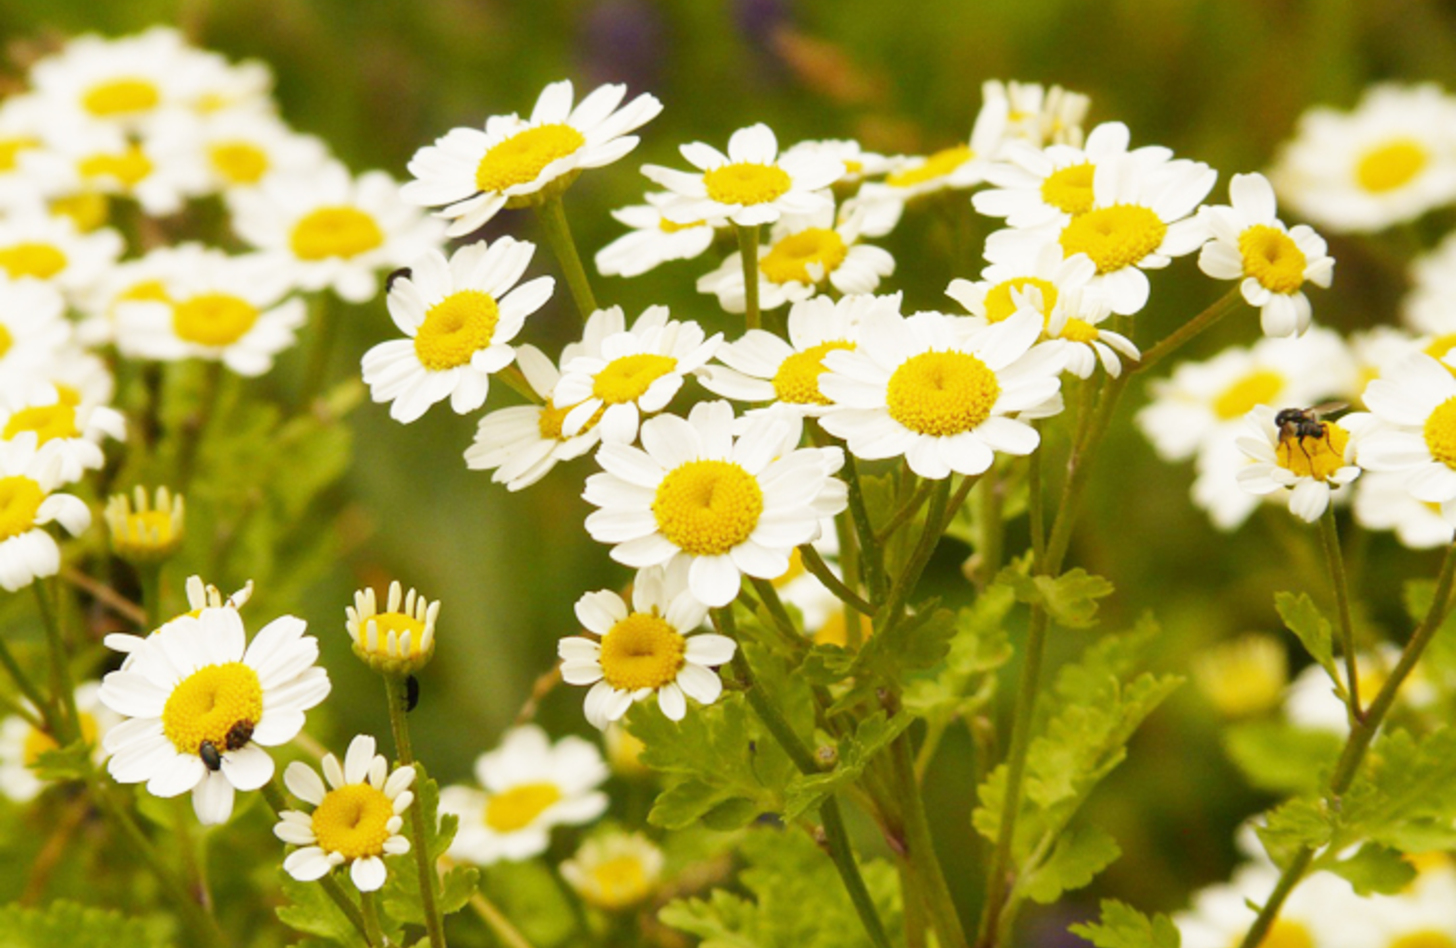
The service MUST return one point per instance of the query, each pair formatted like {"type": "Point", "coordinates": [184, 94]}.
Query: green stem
{"type": "Point", "coordinates": [278, 803]}
{"type": "Point", "coordinates": [27, 687]}
{"type": "Point", "coordinates": [871, 554]}
{"type": "Point", "coordinates": [820, 570]}
{"type": "Point", "coordinates": [150, 577]}
{"type": "Point", "coordinates": [1217, 310]}
{"type": "Point", "coordinates": [849, 566]}
{"type": "Point", "coordinates": [1330, 535]}
{"type": "Point", "coordinates": [62, 688]}
{"type": "Point", "coordinates": [1362, 732]}
{"type": "Point", "coordinates": [920, 846]}
{"type": "Point", "coordinates": [905, 583]}
{"type": "Point", "coordinates": [769, 596]}
{"type": "Point", "coordinates": [552, 214]}
{"type": "Point", "coordinates": [1037, 504]}
{"type": "Point", "coordinates": [1078, 470]}
{"type": "Point", "coordinates": [496, 921]}
{"type": "Point", "coordinates": [394, 691]}
{"type": "Point", "coordinates": [748, 250]}
{"type": "Point", "coordinates": [906, 512]}
{"type": "Point", "coordinates": [370, 910]}
{"type": "Point", "coordinates": [195, 425]}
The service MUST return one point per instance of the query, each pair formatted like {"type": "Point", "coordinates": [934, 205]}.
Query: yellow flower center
{"type": "Point", "coordinates": [621, 881]}
{"type": "Point", "coordinates": [1428, 938]}
{"type": "Point", "coordinates": [209, 703]}
{"type": "Point", "coordinates": [120, 97]}
{"type": "Point", "coordinates": [47, 421]}
{"type": "Point", "coordinates": [30, 259]}
{"type": "Point", "coordinates": [627, 378]}
{"type": "Point", "coordinates": [334, 232]}
{"type": "Point", "coordinates": [1272, 258]}
{"type": "Point", "coordinates": [1440, 432]}
{"type": "Point", "coordinates": [6, 340]}
{"type": "Point", "coordinates": [20, 500]}
{"type": "Point", "coordinates": [147, 291]}
{"type": "Point", "coordinates": [937, 165]}
{"type": "Point", "coordinates": [747, 182]}
{"type": "Point", "coordinates": [1000, 304]}
{"type": "Point", "coordinates": [797, 380]}
{"type": "Point", "coordinates": [86, 210]}
{"type": "Point", "coordinates": [706, 508]}
{"type": "Point", "coordinates": [128, 167]}
{"type": "Point", "coordinates": [942, 393]}
{"type": "Point", "coordinates": [520, 806]}
{"type": "Point", "coordinates": [1391, 165]}
{"type": "Point", "coordinates": [1079, 330]}
{"type": "Point", "coordinates": [1069, 190]}
{"type": "Point", "coordinates": [456, 328]}
{"type": "Point", "coordinates": [642, 651]}
{"type": "Point", "coordinates": [239, 162]}
{"type": "Point", "coordinates": [213, 319]}
{"type": "Point", "coordinates": [10, 149]}
{"type": "Point", "coordinates": [1114, 237]}
{"type": "Point", "coordinates": [1313, 457]}
{"type": "Point", "coordinates": [790, 258]}
{"type": "Point", "coordinates": [1259, 387]}
{"type": "Point", "coordinates": [146, 530]}
{"type": "Point", "coordinates": [38, 742]}
{"type": "Point", "coordinates": [521, 158]}
{"type": "Point", "coordinates": [399, 623]}
{"type": "Point", "coordinates": [353, 821]}
{"type": "Point", "coordinates": [1284, 934]}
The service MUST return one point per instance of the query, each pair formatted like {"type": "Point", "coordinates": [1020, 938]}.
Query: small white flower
{"type": "Point", "coordinates": [614, 871]}
{"type": "Point", "coordinates": [28, 479]}
{"type": "Point", "coordinates": [1319, 912]}
{"type": "Point", "coordinates": [199, 596]}
{"type": "Point", "coordinates": [1039, 115]}
{"type": "Point", "coordinates": [653, 240]}
{"type": "Point", "coordinates": [1383, 503]}
{"type": "Point", "coordinates": [63, 424]}
{"type": "Point", "coordinates": [36, 246]}
{"type": "Point", "coordinates": [240, 149]}
{"type": "Point", "coordinates": [1309, 466]}
{"type": "Point", "coordinates": [1414, 429]}
{"type": "Point", "coordinates": [33, 327]}
{"type": "Point", "coordinates": [858, 163]}
{"type": "Point", "coordinates": [957, 167]}
{"type": "Point", "coordinates": [157, 171]}
{"type": "Point", "coordinates": [22, 743]}
{"type": "Point", "coordinates": [126, 83]}
{"type": "Point", "coordinates": [356, 817]}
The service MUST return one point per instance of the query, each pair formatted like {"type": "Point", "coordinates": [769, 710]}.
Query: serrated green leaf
{"type": "Point", "coordinates": [1303, 822]}
{"type": "Point", "coordinates": [1302, 617]}
{"type": "Point", "coordinates": [1078, 856]}
{"type": "Point", "coordinates": [1405, 790]}
{"type": "Point", "coordinates": [457, 887]}
{"type": "Point", "coordinates": [401, 893]}
{"type": "Point", "coordinates": [1373, 870]}
{"type": "Point", "coordinates": [979, 647]}
{"type": "Point", "coordinates": [855, 751]}
{"type": "Point", "coordinates": [1122, 926]}
{"type": "Point", "coordinates": [1070, 599]}
{"type": "Point", "coordinates": [1281, 758]}
{"type": "Point", "coordinates": [63, 924]}
{"type": "Point", "coordinates": [60, 764]}
{"type": "Point", "coordinates": [311, 911]}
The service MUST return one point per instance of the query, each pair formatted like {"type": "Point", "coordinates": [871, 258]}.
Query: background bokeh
{"type": "Point", "coordinates": [1219, 81]}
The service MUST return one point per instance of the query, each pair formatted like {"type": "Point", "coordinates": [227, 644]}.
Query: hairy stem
{"type": "Point", "coordinates": [1330, 535]}
{"type": "Point", "coordinates": [394, 691]}
{"type": "Point", "coordinates": [748, 250]}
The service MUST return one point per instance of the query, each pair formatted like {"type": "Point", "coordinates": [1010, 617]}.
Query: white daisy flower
{"type": "Point", "coordinates": [654, 647]}
{"type": "Point", "coordinates": [28, 479]}
{"type": "Point", "coordinates": [239, 149]}
{"type": "Point", "coordinates": [330, 230]}
{"type": "Point", "coordinates": [763, 367]}
{"type": "Point", "coordinates": [1390, 160]}
{"type": "Point", "coordinates": [530, 785]}
{"type": "Point", "coordinates": [1421, 914]}
{"type": "Point", "coordinates": [630, 374]}
{"type": "Point", "coordinates": [35, 246]}
{"type": "Point", "coordinates": [233, 310]}
{"type": "Point", "coordinates": [1414, 430]}
{"type": "Point", "coordinates": [200, 596]}
{"type": "Point", "coordinates": [219, 86]}
{"type": "Point", "coordinates": [1383, 503]}
{"type": "Point", "coordinates": [858, 163]}
{"type": "Point", "coordinates": [944, 399]}
{"type": "Point", "coordinates": [126, 82]}
{"type": "Point", "coordinates": [1076, 321]}
{"type": "Point", "coordinates": [1216, 489]}
{"type": "Point", "coordinates": [1286, 457]}
{"type": "Point", "coordinates": [1039, 115]}
{"type": "Point", "coordinates": [1430, 306]}
{"type": "Point", "coordinates": [356, 816]}
{"type": "Point", "coordinates": [1318, 912]}
{"type": "Point", "coordinates": [653, 240]}
{"type": "Point", "coordinates": [157, 171]}
{"type": "Point", "coordinates": [1379, 350]}
{"type": "Point", "coordinates": [1251, 244]}
{"type": "Point", "coordinates": [614, 871]}
{"type": "Point", "coordinates": [472, 174]}
{"type": "Point", "coordinates": [33, 327]}
{"type": "Point", "coordinates": [803, 256]}
{"type": "Point", "coordinates": [31, 170]}
{"type": "Point", "coordinates": [460, 315]}
{"type": "Point", "coordinates": [752, 184]}
{"type": "Point", "coordinates": [398, 640]}
{"type": "Point", "coordinates": [524, 442]}
{"type": "Point", "coordinates": [728, 505]}
{"type": "Point", "coordinates": [22, 743]}
{"type": "Point", "coordinates": [145, 278]}
{"type": "Point", "coordinates": [204, 702]}
{"type": "Point", "coordinates": [957, 167]}
{"type": "Point", "coordinates": [63, 426]}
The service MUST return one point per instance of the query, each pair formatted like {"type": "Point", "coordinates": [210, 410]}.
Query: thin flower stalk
{"type": "Point", "coordinates": [396, 699]}
{"type": "Point", "coordinates": [552, 214]}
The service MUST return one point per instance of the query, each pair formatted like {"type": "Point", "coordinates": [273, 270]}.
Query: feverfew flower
{"type": "Point", "coordinates": [63, 424]}
{"type": "Point", "coordinates": [36, 246]}
{"type": "Point", "coordinates": [957, 167]}
{"type": "Point", "coordinates": [945, 400]}
{"type": "Point", "coordinates": [145, 530]}
{"type": "Point", "coordinates": [530, 785]}
{"type": "Point", "coordinates": [1307, 465]}
{"type": "Point", "coordinates": [727, 505]}
{"type": "Point", "coordinates": [28, 479]}
{"type": "Point", "coordinates": [204, 702]}
{"type": "Point", "coordinates": [1251, 244]}
{"type": "Point", "coordinates": [516, 162]}
{"type": "Point", "coordinates": [158, 171]}
{"type": "Point", "coordinates": [750, 185]}
{"type": "Point", "coordinates": [199, 596]}
{"type": "Point", "coordinates": [1383, 503]}
{"type": "Point", "coordinates": [1039, 115]}
{"type": "Point", "coordinates": [126, 83]}
{"type": "Point", "coordinates": [1315, 913]}
{"type": "Point", "coordinates": [614, 871]}
{"type": "Point", "coordinates": [356, 817]}
{"type": "Point", "coordinates": [1414, 429]}
{"type": "Point", "coordinates": [858, 163]}
{"type": "Point", "coordinates": [653, 240]}
{"type": "Point", "coordinates": [22, 743]}
{"type": "Point", "coordinates": [33, 327]}
{"type": "Point", "coordinates": [399, 640]}
{"type": "Point", "coordinates": [239, 149]}
{"type": "Point", "coordinates": [652, 648]}
{"type": "Point", "coordinates": [460, 316]}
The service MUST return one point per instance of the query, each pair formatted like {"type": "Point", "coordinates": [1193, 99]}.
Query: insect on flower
{"type": "Point", "coordinates": [1297, 425]}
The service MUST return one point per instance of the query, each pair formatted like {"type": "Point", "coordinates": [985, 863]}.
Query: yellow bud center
{"type": "Point", "coordinates": [1272, 258]}
{"type": "Point", "coordinates": [30, 259]}
{"type": "Point", "coordinates": [1313, 457]}
{"type": "Point", "coordinates": [1259, 387]}
{"type": "Point", "coordinates": [627, 378]}
{"type": "Point", "coordinates": [797, 379]}
{"type": "Point", "coordinates": [129, 167]}
{"type": "Point", "coordinates": [209, 703]}
{"type": "Point", "coordinates": [399, 623]}
{"type": "Point", "coordinates": [620, 882]}
{"type": "Point", "coordinates": [747, 182]}
{"type": "Point", "coordinates": [642, 651]}
{"type": "Point", "coordinates": [148, 291]}
{"type": "Point", "coordinates": [1000, 303]}
{"type": "Point", "coordinates": [213, 319]}
{"type": "Point", "coordinates": [790, 259]}
{"type": "Point", "coordinates": [334, 232]}
{"type": "Point", "coordinates": [935, 166]}
{"type": "Point", "coordinates": [456, 328]}
{"type": "Point", "coordinates": [122, 96]}
{"type": "Point", "coordinates": [238, 162]}
{"type": "Point", "coordinates": [1069, 190]}
{"type": "Point", "coordinates": [47, 421]}
{"type": "Point", "coordinates": [353, 821]}
{"type": "Point", "coordinates": [1391, 165]}
{"type": "Point", "coordinates": [942, 393]}
{"type": "Point", "coordinates": [706, 508]}
{"type": "Point", "coordinates": [1440, 432]}
{"type": "Point", "coordinates": [20, 500]}
{"type": "Point", "coordinates": [1114, 237]}
{"type": "Point", "coordinates": [521, 158]}
{"type": "Point", "coordinates": [520, 806]}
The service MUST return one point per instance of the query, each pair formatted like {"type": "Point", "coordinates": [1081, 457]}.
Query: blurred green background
{"type": "Point", "coordinates": [1220, 81]}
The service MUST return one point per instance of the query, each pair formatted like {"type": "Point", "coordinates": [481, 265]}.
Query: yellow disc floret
{"type": "Point", "coordinates": [627, 378]}
{"type": "Point", "coordinates": [210, 703]}
{"type": "Point", "coordinates": [47, 421]}
{"type": "Point", "coordinates": [1391, 165]}
{"type": "Point", "coordinates": [747, 182]}
{"type": "Point", "coordinates": [399, 623]}
{"type": "Point", "coordinates": [6, 340]}
{"type": "Point", "coordinates": [20, 500]}
{"type": "Point", "coordinates": [1069, 189]}
{"type": "Point", "coordinates": [1440, 432]}
{"type": "Point", "coordinates": [620, 882]}
{"type": "Point", "coordinates": [1272, 258]}
{"type": "Point", "coordinates": [130, 166]}
{"type": "Point", "coordinates": [85, 209]}
{"type": "Point", "coordinates": [1079, 330]}
{"type": "Point", "coordinates": [213, 319]}
{"type": "Point", "coordinates": [1114, 237]}
{"type": "Point", "coordinates": [122, 96]}
{"type": "Point", "coordinates": [551, 418]}
{"type": "Point", "coordinates": [1316, 457]}
{"type": "Point", "coordinates": [30, 259]}
{"type": "Point", "coordinates": [520, 806]}
{"type": "Point", "coordinates": [790, 259]}
{"type": "Point", "coordinates": [238, 162]}
{"type": "Point", "coordinates": [642, 651]}
{"type": "Point", "coordinates": [1425, 938]}
{"type": "Point", "coordinates": [942, 393]}
{"type": "Point", "coordinates": [935, 166]}
{"type": "Point", "coordinates": [456, 328]}
{"type": "Point", "coordinates": [797, 379]}
{"type": "Point", "coordinates": [521, 158]}
{"type": "Point", "coordinates": [353, 821]}
{"type": "Point", "coordinates": [334, 232]}
{"type": "Point", "coordinates": [1000, 303]}
{"type": "Point", "coordinates": [706, 508]}
{"type": "Point", "coordinates": [1259, 387]}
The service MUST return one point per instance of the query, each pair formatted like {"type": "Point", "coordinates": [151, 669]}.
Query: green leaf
{"type": "Point", "coordinates": [1125, 927]}
{"type": "Point", "coordinates": [1070, 599]}
{"type": "Point", "coordinates": [1281, 758]}
{"type": "Point", "coordinates": [60, 764]}
{"type": "Point", "coordinates": [1405, 794]}
{"type": "Point", "coordinates": [855, 751]}
{"type": "Point", "coordinates": [1373, 870]}
{"type": "Point", "coordinates": [529, 894]}
{"type": "Point", "coordinates": [311, 911]}
{"type": "Point", "coordinates": [1303, 822]}
{"type": "Point", "coordinates": [979, 647]}
{"type": "Point", "coordinates": [1078, 856]}
{"type": "Point", "coordinates": [64, 924]}
{"type": "Point", "coordinates": [1309, 625]}
{"type": "Point", "coordinates": [401, 892]}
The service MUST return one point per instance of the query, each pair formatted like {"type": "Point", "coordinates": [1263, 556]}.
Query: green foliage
{"type": "Point", "coordinates": [1070, 599]}
{"type": "Point", "coordinates": [530, 896]}
{"type": "Point", "coordinates": [1078, 856]}
{"type": "Point", "coordinates": [1302, 617]}
{"type": "Point", "coordinates": [1281, 758]}
{"type": "Point", "coordinates": [69, 925]}
{"type": "Point", "coordinates": [979, 647]}
{"type": "Point", "coordinates": [871, 736]}
{"type": "Point", "coordinates": [401, 894]}
{"type": "Point", "coordinates": [796, 900]}
{"type": "Point", "coordinates": [71, 762]}
{"type": "Point", "coordinates": [1405, 794]}
{"type": "Point", "coordinates": [1125, 927]}
{"type": "Point", "coordinates": [1303, 822]}
{"type": "Point", "coordinates": [1373, 870]}
{"type": "Point", "coordinates": [311, 911]}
